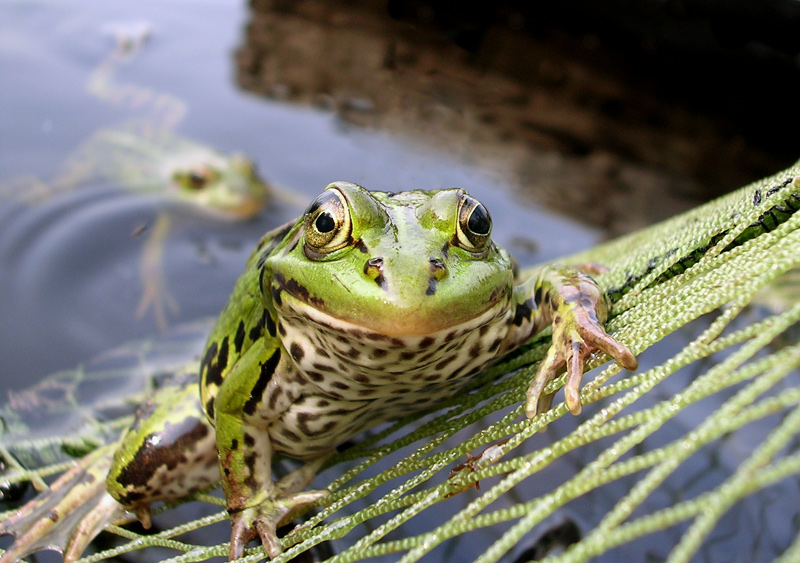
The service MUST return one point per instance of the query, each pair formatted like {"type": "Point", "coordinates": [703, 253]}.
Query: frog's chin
{"type": "Point", "coordinates": [375, 327]}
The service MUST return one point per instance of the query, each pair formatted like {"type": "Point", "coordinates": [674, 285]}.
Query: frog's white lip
{"type": "Point", "coordinates": [391, 328]}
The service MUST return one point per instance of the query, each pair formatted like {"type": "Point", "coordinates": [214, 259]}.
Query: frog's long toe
{"type": "Point", "coordinates": [572, 345]}
{"type": "Point", "coordinates": [68, 515]}
{"type": "Point", "coordinates": [264, 520]}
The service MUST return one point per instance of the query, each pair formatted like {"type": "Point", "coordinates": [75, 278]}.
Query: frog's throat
{"type": "Point", "coordinates": [321, 345]}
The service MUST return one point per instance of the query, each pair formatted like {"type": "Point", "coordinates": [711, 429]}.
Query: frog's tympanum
{"type": "Point", "coordinates": [370, 306]}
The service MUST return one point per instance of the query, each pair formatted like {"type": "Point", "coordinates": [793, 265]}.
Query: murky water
{"type": "Point", "coordinates": [69, 265]}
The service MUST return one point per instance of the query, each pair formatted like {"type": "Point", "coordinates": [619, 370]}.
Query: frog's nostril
{"type": "Point", "coordinates": [373, 268]}
{"type": "Point", "coordinates": [438, 269]}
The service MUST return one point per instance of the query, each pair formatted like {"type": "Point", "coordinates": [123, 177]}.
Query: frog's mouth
{"type": "Point", "coordinates": [294, 304]}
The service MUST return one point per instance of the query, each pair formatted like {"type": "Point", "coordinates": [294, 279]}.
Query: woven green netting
{"type": "Point", "coordinates": [718, 381]}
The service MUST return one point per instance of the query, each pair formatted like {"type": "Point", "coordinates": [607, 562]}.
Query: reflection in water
{"type": "Point", "coordinates": [584, 125]}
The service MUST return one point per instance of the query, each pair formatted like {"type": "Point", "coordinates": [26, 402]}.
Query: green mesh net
{"type": "Point", "coordinates": [656, 466]}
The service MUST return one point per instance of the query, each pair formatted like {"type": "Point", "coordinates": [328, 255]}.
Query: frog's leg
{"type": "Point", "coordinates": [168, 452]}
{"type": "Point", "coordinates": [155, 293]}
{"type": "Point", "coordinates": [255, 392]}
{"type": "Point", "coordinates": [577, 308]}
{"type": "Point", "coordinates": [68, 515]}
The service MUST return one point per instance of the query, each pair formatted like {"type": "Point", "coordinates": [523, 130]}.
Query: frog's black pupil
{"type": "Point", "coordinates": [479, 221]}
{"type": "Point", "coordinates": [196, 180]}
{"type": "Point", "coordinates": [325, 222]}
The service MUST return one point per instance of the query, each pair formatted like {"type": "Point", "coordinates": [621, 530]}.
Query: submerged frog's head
{"type": "Point", "coordinates": [226, 186]}
{"type": "Point", "coordinates": [403, 264]}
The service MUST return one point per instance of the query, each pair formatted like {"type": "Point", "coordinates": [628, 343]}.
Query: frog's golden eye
{"type": "Point", "coordinates": [474, 226]}
{"type": "Point", "coordinates": [327, 223]}
{"type": "Point", "coordinates": [196, 179]}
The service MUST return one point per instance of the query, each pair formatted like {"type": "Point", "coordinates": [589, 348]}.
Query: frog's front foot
{"type": "Point", "coordinates": [576, 334]}
{"type": "Point", "coordinates": [263, 520]}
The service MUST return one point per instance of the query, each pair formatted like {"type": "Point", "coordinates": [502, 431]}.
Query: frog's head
{"type": "Point", "coordinates": [404, 264]}
{"type": "Point", "coordinates": [227, 186]}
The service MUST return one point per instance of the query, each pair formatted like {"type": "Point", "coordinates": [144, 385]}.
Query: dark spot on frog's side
{"type": "Point", "coordinates": [214, 362]}
{"type": "Point", "coordinates": [238, 341]}
{"type": "Point", "coordinates": [267, 371]}
{"type": "Point", "coordinates": [276, 294]}
{"type": "Point", "coordinates": [270, 325]}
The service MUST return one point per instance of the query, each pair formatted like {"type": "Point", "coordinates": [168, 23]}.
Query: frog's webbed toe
{"type": "Point", "coordinates": [576, 334]}
{"type": "Point", "coordinates": [263, 520]}
{"type": "Point", "coordinates": [285, 499]}
{"type": "Point", "coordinates": [68, 515]}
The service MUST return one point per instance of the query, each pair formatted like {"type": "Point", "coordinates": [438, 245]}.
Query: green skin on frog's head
{"type": "Point", "coordinates": [406, 264]}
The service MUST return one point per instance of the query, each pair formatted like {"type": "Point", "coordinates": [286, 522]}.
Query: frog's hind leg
{"type": "Point", "coordinates": [169, 452]}
{"type": "Point", "coordinates": [68, 515]}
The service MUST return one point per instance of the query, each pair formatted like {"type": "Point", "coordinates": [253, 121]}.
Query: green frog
{"type": "Point", "coordinates": [369, 306]}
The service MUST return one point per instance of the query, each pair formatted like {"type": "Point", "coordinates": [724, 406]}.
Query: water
{"type": "Point", "coordinates": [69, 266]}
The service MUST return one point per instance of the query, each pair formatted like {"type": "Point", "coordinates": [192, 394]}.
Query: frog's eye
{"type": "Point", "coordinates": [196, 179]}
{"type": "Point", "coordinates": [327, 223]}
{"type": "Point", "coordinates": [474, 226]}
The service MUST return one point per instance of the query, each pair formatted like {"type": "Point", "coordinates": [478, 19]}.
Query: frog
{"type": "Point", "coordinates": [370, 306]}
{"type": "Point", "coordinates": [145, 156]}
